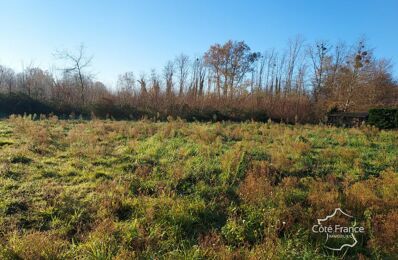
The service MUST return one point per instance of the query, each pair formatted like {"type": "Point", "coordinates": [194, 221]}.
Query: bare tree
{"type": "Point", "coordinates": [168, 72]}
{"type": "Point", "coordinates": [279, 66]}
{"type": "Point", "coordinates": [126, 87]}
{"type": "Point", "coordinates": [260, 68]}
{"type": "Point", "coordinates": [295, 46]}
{"type": "Point", "coordinates": [142, 81]}
{"type": "Point", "coordinates": [182, 63]}
{"type": "Point", "coordinates": [319, 55]}
{"type": "Point", "coordinates": [126, 82]}
{"type": "Point", "coordinates": [77, 64]}
{"type": "Point", "coordinates": [7, 79]}
{"type": "Point", "coordinates": [358, 63]}
{"type": "Point", "coordinates": [2, 76]}
{"type": "Point", "coordinates": [271, 63]}
{"type": "Point", "coordinates": [155, 88]}
{"type": "Point", "coordinates": [198, 77]}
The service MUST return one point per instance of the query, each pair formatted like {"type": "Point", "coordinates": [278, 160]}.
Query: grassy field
{"type": "Point", "coordinates": [115, 189]}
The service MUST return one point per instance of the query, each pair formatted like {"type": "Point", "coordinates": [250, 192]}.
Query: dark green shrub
{"type": "Point", "coordinates": [16, 207]}
{"type": "Point", "coordinates": [186, 185]}
{"type": "Point", "coordinates": [20, 104]}
{"type": "Point", "coordinates": [384, 118]}
{"type": "Point", "coordinates": [21, 159]}
{"type": "Point", "coordinates": [124, 212]}
{"type": "Point", "coordinates": [102, 175]}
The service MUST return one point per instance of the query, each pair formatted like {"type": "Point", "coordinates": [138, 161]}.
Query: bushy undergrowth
{"type": "Point", "coordinates": [386, 118]}
{"type": "Point", "coordinates": [176, 190]}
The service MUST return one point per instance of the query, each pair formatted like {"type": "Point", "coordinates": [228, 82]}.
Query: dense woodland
{"type": "Point", "coordinates": [230, 81]}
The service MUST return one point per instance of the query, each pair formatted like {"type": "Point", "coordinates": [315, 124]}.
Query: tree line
{"type": "Point", "coordinates": [300, 83]}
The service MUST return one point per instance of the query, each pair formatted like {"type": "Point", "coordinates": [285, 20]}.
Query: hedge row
{"type": "Point", "coordinates": [20, 104]}
{"type": "Point", "coordinates": [23, 104]}
{"type": "Point", "coordinates": [384, 118]}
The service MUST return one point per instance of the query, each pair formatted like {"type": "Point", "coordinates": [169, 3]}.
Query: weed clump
{"type": "Point", "coordinates": [21, 159]}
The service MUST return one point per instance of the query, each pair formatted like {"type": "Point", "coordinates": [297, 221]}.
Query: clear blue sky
{"type": "Point", "coordinates": [140, 35]}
